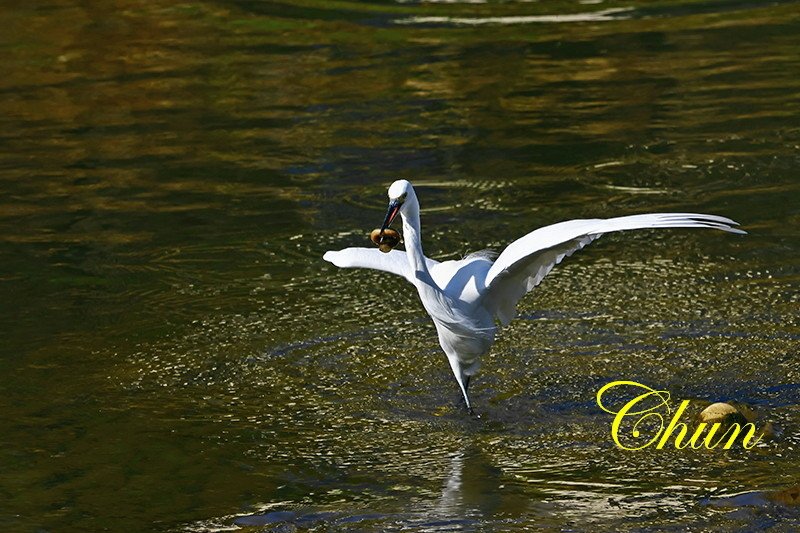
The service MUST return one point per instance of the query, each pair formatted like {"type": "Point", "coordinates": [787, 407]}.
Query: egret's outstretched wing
{"type": "Point", "coordinates": [394, 262]}
{"type": "Point", "coordinates": [526, 261]}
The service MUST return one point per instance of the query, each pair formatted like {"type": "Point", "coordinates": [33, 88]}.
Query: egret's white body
{"type": "Point", "coordinates": [467, 298]}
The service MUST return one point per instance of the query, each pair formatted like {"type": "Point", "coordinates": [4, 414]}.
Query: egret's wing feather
{"type": "Point", "coordinates": [394, 262]}
{"type": "Point", "coordinates": [463, 279]}
{"type": "Point", "coordinates": [526, 261]}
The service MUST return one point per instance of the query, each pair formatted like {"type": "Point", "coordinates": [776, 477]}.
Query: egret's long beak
{"type": "Point", "coordinates": [394, 208]}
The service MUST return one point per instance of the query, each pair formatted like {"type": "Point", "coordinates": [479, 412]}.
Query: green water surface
{"type": "Point", "coordinates": [176, 356]}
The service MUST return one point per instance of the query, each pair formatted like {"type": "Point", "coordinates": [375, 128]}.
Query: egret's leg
{"type": "Point", "coordinates": [464, 384]}
{"type": "Point", "coordinates": [463, 381]}
{"type": "Point", "coordinates": [467, 378]}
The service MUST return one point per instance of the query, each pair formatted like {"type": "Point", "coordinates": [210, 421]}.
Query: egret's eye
{"type": "Point", "coordinates": [402, 197]}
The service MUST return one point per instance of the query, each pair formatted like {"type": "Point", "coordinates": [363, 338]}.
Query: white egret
{"type": "Point", "coordinates": [465, 298]}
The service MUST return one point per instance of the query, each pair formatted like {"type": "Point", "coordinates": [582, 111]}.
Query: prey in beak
{"type": "Point", "coordinates": [386, 238]}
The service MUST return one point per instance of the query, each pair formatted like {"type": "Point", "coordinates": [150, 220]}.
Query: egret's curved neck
{"type": "Point", "coordinates": [413, 242]}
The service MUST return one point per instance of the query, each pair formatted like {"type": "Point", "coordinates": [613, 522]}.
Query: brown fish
{"type": "Point", "coordinates": [387, 241]}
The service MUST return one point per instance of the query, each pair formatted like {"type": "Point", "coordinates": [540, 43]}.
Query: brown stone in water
{"type": "Point", "coordinates": [722, 412]}
{"type": "Point", "coordinates": [387, 241]}
{"type": "Point", "coordinates": [790, 496]}
{"type": "Point", "coordinates": [728, 414]}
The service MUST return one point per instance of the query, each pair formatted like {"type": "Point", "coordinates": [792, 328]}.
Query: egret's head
{"type": "Point", "coordinates": [399, 192]}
